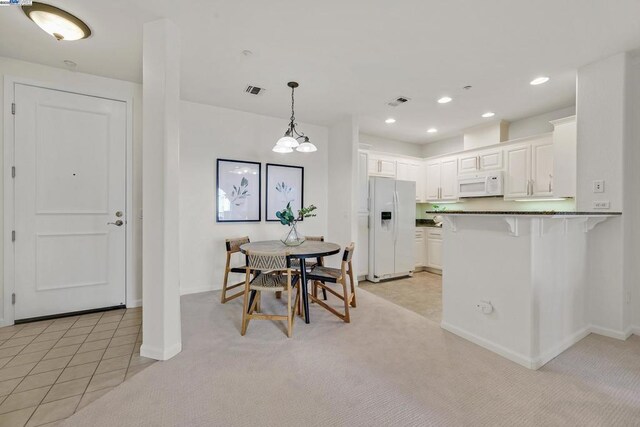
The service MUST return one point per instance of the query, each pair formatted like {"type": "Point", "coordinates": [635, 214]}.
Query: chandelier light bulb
{"type": "Point", "coordinates": [282, 150]}
{"type": "Point", "coordinates": [287, 142]}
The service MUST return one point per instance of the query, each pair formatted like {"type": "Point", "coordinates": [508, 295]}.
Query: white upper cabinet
{"type": "Point", "coordinates": [382, 166]}
{"type": "Point", "coordinates": [407, 170]}
{"type": "Point", "coordinates": [530, 169]}
{"type": "Point", "coordinates": [564, 157]}
{"type": "Point", "coordinates": [480, 161]}
{"type": "Point", "coordinates": [387, 167]}
{"type": "Point", "coordinates": [442, 179]}
{"type": "Point", "coordinates": [542, 168]}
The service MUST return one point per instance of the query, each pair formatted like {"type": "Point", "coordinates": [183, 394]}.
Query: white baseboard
{"type": "Point", "coordinates": [611, 333]}
{"type": "Point", "coordinates": [134, 303]}
{"type": "Point", "coordinates": [160, 353]}
{"type": "Point", "coordinates": [555, 351]}
{"type": "Point", "coordinates": [189, 291]}
{"type": "Point", "coordinates": [489, 345]}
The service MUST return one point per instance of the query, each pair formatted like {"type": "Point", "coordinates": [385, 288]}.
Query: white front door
{"type": "Point", "coordinates": [70, 184]}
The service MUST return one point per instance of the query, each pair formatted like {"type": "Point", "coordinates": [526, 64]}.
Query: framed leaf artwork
{"type": "Point", "coordinates": [238, 189]}
{"type": "Point", "coordinates": [285, 184]}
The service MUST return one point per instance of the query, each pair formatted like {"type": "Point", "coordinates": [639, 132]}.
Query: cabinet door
{"type": "Point", "coordinates": [490, 160]}
{"type": "Point", "coordinates": [420, 248]}
{"type": "Point", "coordinates": [434, 252]}
{"type": "Point", "coordinates": [417, 171]}
{"type": "Point", "coordinates": [433, 181]}
{"type": "Point", "coordinates": [449, 179]}
{"type": "Point", "coordinates": [403, 172]}
{"type": "Point", "coordinates": [363, 182]}
{"type": "Point", "coordinates": [388, 168]}
{"type": "Point", "coordinates": [374, 166]}
{"type": "Point", "coordinates": [516, 181]}
{"type": "Point", "coordinates": [468, 163]}
{"type": "Point", "coordinates": [542, 167]}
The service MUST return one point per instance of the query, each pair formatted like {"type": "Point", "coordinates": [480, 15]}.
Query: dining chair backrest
{"type": "Point", "coordinates": [315, 238]}
{"type": "Point", "coordinates": [348, 253]}
{"type": "Point", "coordinates": [267, 261]}
{"type": "Point", "coordinates": [233, 245]}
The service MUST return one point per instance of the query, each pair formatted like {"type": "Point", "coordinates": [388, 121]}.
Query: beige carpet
{"type": "Point", "coordinates": [390, 367]}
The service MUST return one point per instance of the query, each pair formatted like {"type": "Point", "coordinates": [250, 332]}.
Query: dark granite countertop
{"type": "Point", "coordinates": [525, 213]}
{"type": "Point", "coordinates": [427, 223]}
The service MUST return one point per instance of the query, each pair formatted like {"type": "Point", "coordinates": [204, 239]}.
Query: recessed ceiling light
{"type": "Point", "coordinates": [444, 100]}
{"type": "Point", "coordinates": [60, 24]}
{"type": "Point", "coordinates": [69, 63]}
{"type": "Point", "coordinates": [488, 114]}
{"type": "Point", "coordinates": [539, 80]}
{"type": "Point", "coordinates": [390, 120]}
{"type": "Point", "coordinates": [247, 52]}
{"type": "Point", "coordinates": [432, 130]}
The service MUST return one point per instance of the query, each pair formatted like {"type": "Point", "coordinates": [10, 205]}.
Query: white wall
{"type": "Point", "coordinates": [99, 86]}
{"type": "Point", "coordinates": [444, 146]}
{"type": "Point", "coordinates": [538, 124]}
{"type": "Point", "coordinates": [377, 143]}
{"type": "Point", "coordinates": [208, 133]}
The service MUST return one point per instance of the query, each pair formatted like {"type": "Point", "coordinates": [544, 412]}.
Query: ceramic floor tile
{"type": "Point", "coordinates": [23, 359]}
{"type": "Point", "coordinates": [94, 345]}
{"type": "Point", "coordinates": [105, 327]}
{"type": "Point", "coordinates": [127, 331]}
{"type": "Point", "coordinates": [38, 380]}
{"type": "Point", "coordinates": [100, 335]}
{"type": "Point", "coordinates": [78, 339]}
{"type": "Point", "coordinates": [54, 411]}
{"type": "Point", "coordinates": [28, 332]}
{"type": "Point", "coordinates": [86, 322]}
{"type": "Point", "coordinates": [12, 372]}
{"type": "Point", "coordinates": [67, 389]}
{"type": "Point", "coordinates": [93, 396]}
{"type": "Point", "coordinates": [23, 400]}
{"type": "Point", "coordinates": [59, 326]}
{"type": "Point", "coordinates": [114, 364]}
{"type": "Point", "coordinates": [128, 323]}
{"type": "Point", "coordinates": [89, 356]}
{"type": "Point", "coordinates": [5, 335]}
{"type": "Point", "coordinates": [78, 331]}
{"type": "Point", "coordinates": [108, 379]}
{"type": "Point", "coordinates": [46, 336]}
{"type": "Point", "coordinates": [12, 342]}
{"type": "Point", "coordinates": [126, 339]}
{"type": "Point", "coordinates": [5, 360]}
{"type": "Point", "coordinates": [136, 359]}
{"type": "Point", "coordinates": [8, 386]}
{"type": "Point", "coordinates": [16, 418]}
{"type": "Point", "coordinates": [11, 351]}
{"type": "Point", "coordinates": [133, 370]}
{"type": "Point", "coordinates": [118, 351]}
{"type": "Point", "coordinates": [37, 346]}
{"type": "Point", "coordinates": [62, 351]}
{"type": "Point", "coordinates": [51, 364]}
{"type": "Point", "coordinates": [79, 371]}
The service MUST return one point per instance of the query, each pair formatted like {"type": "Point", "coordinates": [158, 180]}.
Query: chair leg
{"type": "Point", "coordinates": [289, 314]}
{"type": "Point", "coordinates": [245, 308]}
{"type": "Point", "coordinates": [223, 298]}
{"type": "Point", "coordinates": [278, 294]}
{"type": "Point", "coordinates": [345, 293]}
{"type": "Point", "coordinates": [324, 294]}
{"type": "Point", "coordinates": [353, 288]}
{"type": "Point", "coordinates": [258, 299]}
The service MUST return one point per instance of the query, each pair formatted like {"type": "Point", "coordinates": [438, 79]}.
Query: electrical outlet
{"type": "Point", "coordinates": [598, 186]}
{"type": "Point", "coordinates": [601, 204]}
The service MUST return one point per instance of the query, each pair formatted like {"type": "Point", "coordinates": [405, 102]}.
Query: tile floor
{"type": "Point", "coordinates": [52, 368]}
{"type": "Point", "coordinates": [421, 293]}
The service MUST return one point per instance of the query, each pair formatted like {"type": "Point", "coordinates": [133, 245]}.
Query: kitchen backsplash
{"type": "Point", "coordinates": [497, 204]}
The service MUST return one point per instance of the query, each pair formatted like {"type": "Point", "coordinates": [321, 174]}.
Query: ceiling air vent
{"type": "Point", "coordinates": [254, 90]}
{"type": "Point", "coordinates": [398, 101]}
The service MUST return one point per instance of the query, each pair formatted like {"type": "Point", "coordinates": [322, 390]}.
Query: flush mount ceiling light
{"type": "Point", "coordinates": [390, 120]}
{"type": "Point", "coordinates": [432, 130]}
{"type": "Point", "coordinates": [289, 141]}
{"type": "Point", "coordinates": [60, 24]}
{"type": "Point", "coordinates": [444, 100]}
{"type": "Point", "coordinates": [488, 114]}
{"type": "Point", "coordinates": [539, 80]}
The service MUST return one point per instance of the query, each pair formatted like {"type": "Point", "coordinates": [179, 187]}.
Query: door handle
{"type": "Point", "coordinates": [119, 223]}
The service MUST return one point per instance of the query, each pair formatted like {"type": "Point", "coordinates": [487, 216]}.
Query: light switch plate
{"type": "Point", "coordinates": [601, 204]}
{"type": "Point", "coordinates": [598, 186]}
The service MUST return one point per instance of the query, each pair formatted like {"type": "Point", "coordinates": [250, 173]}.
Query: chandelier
{"type": "Point", "coordinates": [292, 137]}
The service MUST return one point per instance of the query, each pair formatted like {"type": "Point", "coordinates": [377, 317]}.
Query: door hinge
{"type": "Point", "coordinates": [13, 235]}
{"type": "Point", "coordinates": [13, 108]}
{"type": "Point", "coordinates": [13, 298]}
{"type": "Point", "coordinates": [13, 171]}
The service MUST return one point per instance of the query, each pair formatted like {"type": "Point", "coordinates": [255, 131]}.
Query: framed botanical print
{"type": "Point", "coordinates": [285, 184]}
{"type": "Point", "coordinates": [238, 191]}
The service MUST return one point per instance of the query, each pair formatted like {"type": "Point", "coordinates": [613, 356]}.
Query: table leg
{"type": "Point", "coordinates": [305, 295]}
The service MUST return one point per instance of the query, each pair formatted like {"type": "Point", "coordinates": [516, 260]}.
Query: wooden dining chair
{"type": "Point", "coordinates": [233, 246]}
{"type": "Point", "coordinates": [272, 273]}
{"type": "Point", "coordinates": [321, 275]}
{"type": "Point", "coordinates": [310, 263]}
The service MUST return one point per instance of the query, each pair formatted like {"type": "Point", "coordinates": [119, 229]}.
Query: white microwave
{"type": "Point", "coordinates": [486, 184]}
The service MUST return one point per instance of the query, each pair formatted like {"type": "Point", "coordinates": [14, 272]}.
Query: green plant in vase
{"type": "Point", "coordinates": [287, 217]}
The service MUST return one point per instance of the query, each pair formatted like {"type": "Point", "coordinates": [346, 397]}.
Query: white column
{"type": "Point", "coordinates": [160, 188]}
{"type": "Point", "coordinates": [342, 216]}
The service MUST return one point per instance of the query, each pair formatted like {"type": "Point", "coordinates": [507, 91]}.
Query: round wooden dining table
{"type": "Point", "coordinates": [308, 249]}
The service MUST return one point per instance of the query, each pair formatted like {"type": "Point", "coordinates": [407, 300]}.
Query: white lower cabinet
{"type": "Point", "coordinates": [434, 248]}
{"type": "Point", "coordinates": [420, 248]}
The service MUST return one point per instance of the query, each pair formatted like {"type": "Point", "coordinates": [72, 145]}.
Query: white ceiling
{"type": "Point", "coordinates": [351, 57]}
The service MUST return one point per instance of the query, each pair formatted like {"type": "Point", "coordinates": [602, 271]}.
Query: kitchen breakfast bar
{"type": "Point", "coordinates": [516, 282]}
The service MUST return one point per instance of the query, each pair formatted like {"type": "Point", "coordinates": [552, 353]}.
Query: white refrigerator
{"type": "Point", "coordinates": [392, 222]}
